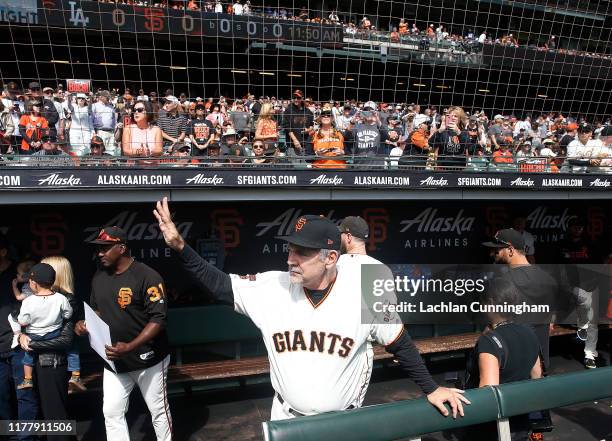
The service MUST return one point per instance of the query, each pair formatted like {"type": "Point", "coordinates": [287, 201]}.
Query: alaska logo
{"type": "Point", "coordinates": [300, 224]}
{"type": "Point", "coordinates": [124, 298]}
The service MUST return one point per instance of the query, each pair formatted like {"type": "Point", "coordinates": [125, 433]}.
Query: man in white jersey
{"type": "Point", "coordinates": [310, 320]}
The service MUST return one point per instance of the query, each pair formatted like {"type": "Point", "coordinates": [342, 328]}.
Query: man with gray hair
{"type": "Point", "coordinates": [310, 318]}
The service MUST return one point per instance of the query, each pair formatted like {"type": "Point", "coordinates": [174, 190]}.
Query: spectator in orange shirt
{"type": "Point", "coordinates": [395, 36]}
{"type": "Point", "coordinates": [328, 141]}
{"type": "Point", "coordinates": [503, 155]}
{"type": "Point", "coordinates": [31, 128]}
{"type": "Point", "coordinates": [403, 27]}
{"type": "Point", "coordinates": [417, 150]}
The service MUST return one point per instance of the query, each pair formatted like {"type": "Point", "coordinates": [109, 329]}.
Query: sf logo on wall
{"type": "Point", "coordinates": [124, 298]}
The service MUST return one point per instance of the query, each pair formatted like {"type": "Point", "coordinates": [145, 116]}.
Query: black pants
{"type": "Point", "coordinates": [52, 383]}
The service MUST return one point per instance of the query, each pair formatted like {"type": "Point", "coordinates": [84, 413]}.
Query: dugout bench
{"type": "Point", "coordinates": [215, 343]}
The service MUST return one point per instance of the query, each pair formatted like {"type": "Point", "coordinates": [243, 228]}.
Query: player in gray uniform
{"type": "Point", "coordinates": [311, 323]}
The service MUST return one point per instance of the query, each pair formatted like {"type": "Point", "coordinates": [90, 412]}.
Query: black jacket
{"type": "Point", "coordinates": [53, 352]}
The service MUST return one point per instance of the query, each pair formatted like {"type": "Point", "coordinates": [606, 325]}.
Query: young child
{"type": "Point", "coordinates": [21, 290]}
{"type": "Point", "coordinates": [41, 313]}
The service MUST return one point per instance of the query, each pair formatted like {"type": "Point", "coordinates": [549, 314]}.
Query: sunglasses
{"type": "Point", "coordinates": [103, 249]}
{"type": "Point", "coordinates": [258, 146]}
{"type": "Point", "coordinates": [139, 109]}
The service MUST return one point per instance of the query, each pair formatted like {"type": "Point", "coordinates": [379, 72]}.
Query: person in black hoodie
{"type": "Point", "coordinates": [451, 141]}
{"type": "Point", "coordinates": [535, 285]}
{"type": "Point", "coordinates": [11, 366]}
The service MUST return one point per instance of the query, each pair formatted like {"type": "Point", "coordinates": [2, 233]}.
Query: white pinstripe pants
{"type": "Point", "coordinates": [152, 384]}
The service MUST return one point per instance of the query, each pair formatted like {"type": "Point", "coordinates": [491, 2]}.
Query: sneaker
{"type": "Point", "coordinates": [26, 384]}
{"type": "Point", "coordinates": [589, 363]}
{"type": "Point", "coordinates": [76, 385]}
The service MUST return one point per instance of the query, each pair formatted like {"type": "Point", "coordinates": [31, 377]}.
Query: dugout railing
{"type": "Point", "coordinates": [413, 418]}
{"type": "Point", "coordinates": [485, 163]}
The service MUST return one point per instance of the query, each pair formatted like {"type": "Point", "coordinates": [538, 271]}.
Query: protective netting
{"type": "Point", "coordinates": [496, 55]}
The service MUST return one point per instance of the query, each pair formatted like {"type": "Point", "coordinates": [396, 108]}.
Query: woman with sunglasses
{"type": "Point", "coordinates": [141, 138]}
{"type": "Point", "coordinates": [328, 141]}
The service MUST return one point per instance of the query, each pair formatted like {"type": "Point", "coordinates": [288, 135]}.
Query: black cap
{"type": "Point", "coordinates": [34, 85]}
{"type": "Point", "coordinates": [110, 235]}
{"type": "Point", "coordinates": [505, 238]}
{"type": "Point", "coordinates": [311, 231]}
{"type": "Point", "coordinates": [97, 141]}
{"type": "Point", "coordinates": [576, 221]}
{"type": "Point", "coordinates": [44, 137]}
{"type": "Point", "coordinates": [356, 226]}
{"type": "Point", "coordinates": [43, 274]}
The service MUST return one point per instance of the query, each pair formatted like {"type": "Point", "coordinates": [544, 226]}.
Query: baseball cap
{"type": "Point", "coordinates": [498, 117]}
{"type": "Point", "coordinates": [229, 132]}
{"type": "Point", "coordinates": [606, 131]}
{"type": "Point", "coordinates": [311, 231]}
{"type": "Point", "coordinates": [48, 89]}
{"type": "Point", "coordinates": [110, 235]}
{"type": "Point", "coordinates": [370, 104]}
{"type": "Point", "coordinates": [200, 106]}
{"type": "Point", "coordinates": [81, 95]}
{"type": "Point", "coordinates": [34, 85]}
{"type": "Point", "coordinates": [548, 141]}
{"type": "Point", "coordinates": [576, 221]}
{"type": "Point", "coordinates": [105, 93]}
{"type": "Point", "coordinates": [43, 274]}
{"type": "Point", "coordinates": [585, 128]}
{"type": "Point", "coordinates": [572, 126]}
{"type": "Point", "coordinates": [326, 112]}
{"type": "Point", "coordinates": [97, 141]}
{"type": "Point", "coordinates": [298, 93]}
{"type": "Point", "coordinates": [505, 238]}
{"type": "Point", "coordinates": [356, 226]}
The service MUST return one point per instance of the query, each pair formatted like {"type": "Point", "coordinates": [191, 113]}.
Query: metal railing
{"type": "Point", "coordinates": [413, 418]}
{"type": "Point", "coordinates": [480, 164]}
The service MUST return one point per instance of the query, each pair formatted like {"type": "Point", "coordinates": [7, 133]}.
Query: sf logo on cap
{"type": "Point", "coordinates": [300, 224]}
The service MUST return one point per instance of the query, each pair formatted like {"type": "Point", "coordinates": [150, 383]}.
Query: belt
{"type": "Point", "coordinates": [299, 414]}
{"type": "Point", "coordinates": [106, 130]}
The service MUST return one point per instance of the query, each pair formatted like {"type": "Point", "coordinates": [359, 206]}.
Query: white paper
{"type": "Point", "coordinates": [99, 334]}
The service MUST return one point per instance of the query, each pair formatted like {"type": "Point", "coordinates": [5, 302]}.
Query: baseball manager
{"type": "Point", "coordinates": [309, 316]}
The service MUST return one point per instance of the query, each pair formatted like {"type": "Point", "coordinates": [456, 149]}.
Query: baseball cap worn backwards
{"type": "Point", "coordinates": [110, 235]}
{"type": "Point", "coordinates": [506, 238]}
{"type": "Point", "coordinates": [356, 226]}
{"type": "Point", "coordinates": [311, 231]}
{"type": "Point", "coordinates": [42, 273]}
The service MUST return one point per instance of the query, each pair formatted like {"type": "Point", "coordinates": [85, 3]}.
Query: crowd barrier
{"type": "Point", "coordinates": [413, 418]}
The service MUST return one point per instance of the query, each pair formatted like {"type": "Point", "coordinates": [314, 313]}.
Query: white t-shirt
{"type": "Point", "coordinates": [237, 8]}
{"type": "Point", "coordinates": [44, 314]}
{"type": "Point", "coordinates": [320, 356]}
{"type": "Point", "coordinates": [396, 152]}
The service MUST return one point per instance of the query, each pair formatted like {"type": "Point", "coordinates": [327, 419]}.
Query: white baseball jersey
{"type": "Point", "coordinates": [320, 355]}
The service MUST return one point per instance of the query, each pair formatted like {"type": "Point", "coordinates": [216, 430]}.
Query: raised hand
{"type": "Point", "coordinates": [171, 235]}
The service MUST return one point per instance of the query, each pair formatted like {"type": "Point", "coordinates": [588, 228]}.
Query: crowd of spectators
{"type": "Point", "coordinates": [46, 123]}
{"type": "Point", "coordinates": [397, 32]}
